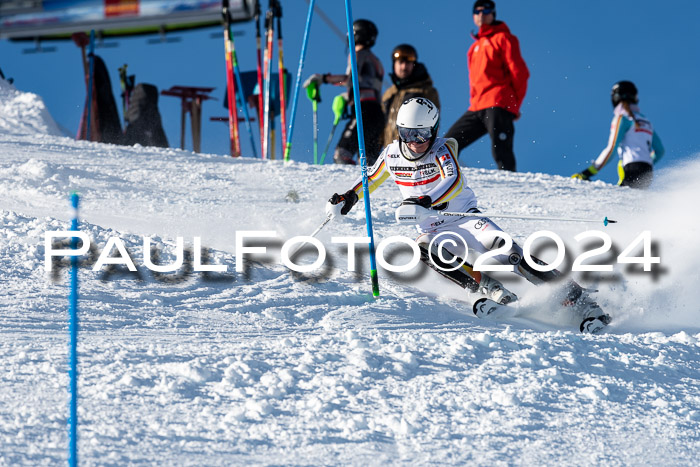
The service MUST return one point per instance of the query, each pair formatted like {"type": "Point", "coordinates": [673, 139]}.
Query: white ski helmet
{"type": "Point", "coordinates": [417, 121]}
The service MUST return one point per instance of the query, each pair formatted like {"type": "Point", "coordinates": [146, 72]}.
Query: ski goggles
{"type": "Point", "coordinates": [402, 56]}
{"type": "Point", "coordinates": [415, 135]}
{"type": "Point", "coordinates": [485, 11]}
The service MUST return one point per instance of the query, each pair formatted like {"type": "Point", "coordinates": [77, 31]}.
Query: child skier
{"type": "Point", "coordinates": [634, 138]}
{"type": "Point", "coordinates": [370, 76]}
{"type": "Point", "coordinates": [426, 170]}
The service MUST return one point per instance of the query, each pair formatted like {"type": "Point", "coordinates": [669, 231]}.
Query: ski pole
{"type": "Point", "coordinates": [361, 144]}
{"type": "Point", "coordinates": [314, 94]}
{"type": "Point", "coordinates": [260, 80]}
{"type": "Point", "coordinates": [127, 85]}
{"type": "Point", "coordinates": [272, 136]}
{"type": "Point", "coordinates": [239, 82]}
{"type": "Point", "coordinates": [122, 82]}
{"type": "Point", "coordinates": [329, 217]}
{"type": "Point", "coordinates": [269, 31]}
{"type": "Point", "coordinates": [323, 224]}
{"type": "Point", "coordinates": [295, 99]}
{"type": "Point", "coordinates": [328, 143]}
{"type": "Point", "coordinates": [606, 221]}
{"type": "Point", "coordinates": [282, 76]}
{"type": "Point", "coordinates": [339, 104]}
{"type": "Point", "coordinates": [230, 86]}
{"type": "Point", "coordinates": [315, 123]}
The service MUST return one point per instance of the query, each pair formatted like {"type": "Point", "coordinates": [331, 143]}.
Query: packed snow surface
{"type": "Point", "coordinates": [267, 366]}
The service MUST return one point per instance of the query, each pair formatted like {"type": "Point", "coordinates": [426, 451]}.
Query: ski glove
{"type": "Point", "coordinates": [341, 204]}
{"type": "Point", "coordinates": [423, 201]}
{"type": "Point", "coordinates": [313, 91]}
{"type": "Point", "coordinates": [586, 174]}
{"type": "Point", "coordinates": [315, 78]}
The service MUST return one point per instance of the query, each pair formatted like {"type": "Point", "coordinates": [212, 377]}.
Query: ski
{"type": "Point", "coordinates": [485, 308]}
{"type": "Point", "coordinates": [127, 85]}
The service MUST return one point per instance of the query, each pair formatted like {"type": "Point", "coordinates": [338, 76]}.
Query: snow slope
{"type": "Point", "coordinates": [273, 367]}
{"type": "Point", "coordinates": [24, 112]}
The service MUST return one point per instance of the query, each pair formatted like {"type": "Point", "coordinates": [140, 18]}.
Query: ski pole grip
{"type": "Point", "coordinates": [313, 92]}
{"type": "Point", "coordinates": [339, 103]}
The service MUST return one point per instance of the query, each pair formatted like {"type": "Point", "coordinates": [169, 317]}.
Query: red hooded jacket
{"type": "Point", "coordinates": [497, 72]}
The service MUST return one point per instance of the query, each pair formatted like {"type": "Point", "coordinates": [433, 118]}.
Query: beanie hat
{"type": "Point", "coordinates": [484, 4]}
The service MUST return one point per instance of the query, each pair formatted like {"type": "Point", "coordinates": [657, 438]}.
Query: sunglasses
{"type": "Point", "coordinates": [415, 135]}
{"type": "Point", "coordinates": [486, 11]}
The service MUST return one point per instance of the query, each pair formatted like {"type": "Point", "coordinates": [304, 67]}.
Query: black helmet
{"type": "Point", "coordinates": [624, 91]}
{"type": "Point", "coordinates": [365, 32]}
{"type": "Point", "coordinates": [486, 4]}
{"type": "Point", "coordinates": [404, 52]}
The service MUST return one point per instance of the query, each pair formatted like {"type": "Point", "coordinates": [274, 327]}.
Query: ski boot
{"type": "Point", "coordinates": [594, 325]}
{"type": "Point", "coordinates": [494, 290]}
{"type": "Point", "coordinates": [594, 318]}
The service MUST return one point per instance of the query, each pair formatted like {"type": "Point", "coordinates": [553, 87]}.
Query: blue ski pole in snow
{"type": "Point", "coordinates": [295, 99]}
{"type": "Point", "coordinates": [73, 331]}
{"type": "Point", "coordinates": [361, 143]}
{"type": "Point", "coordinates": [91, 85]}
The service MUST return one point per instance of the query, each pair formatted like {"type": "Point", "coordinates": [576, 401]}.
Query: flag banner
{"type": "Point", "coordinates": [58, 19]}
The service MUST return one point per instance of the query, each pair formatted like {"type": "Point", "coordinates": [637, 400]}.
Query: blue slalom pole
{"type": "Point", "coordinates": [91, 80]}
{"type": "Point", "coordinates": [361, 143]}
{"type": "Point", "coordinates": [73, 330]}
{"type": "Point", "coordinates": [295, 99]}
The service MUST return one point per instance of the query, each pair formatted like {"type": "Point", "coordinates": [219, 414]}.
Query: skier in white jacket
{"type": "Point", "coordinates": [633, 137]}
{"type": "Point", "coordinates": [428, 175]}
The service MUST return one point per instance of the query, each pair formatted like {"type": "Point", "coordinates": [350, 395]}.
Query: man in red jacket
{"type": "Point", "coordinates": [498, 81]}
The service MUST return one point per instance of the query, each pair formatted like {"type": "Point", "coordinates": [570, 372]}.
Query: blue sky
{"type": "Point", "coordinates": [575, 51]}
